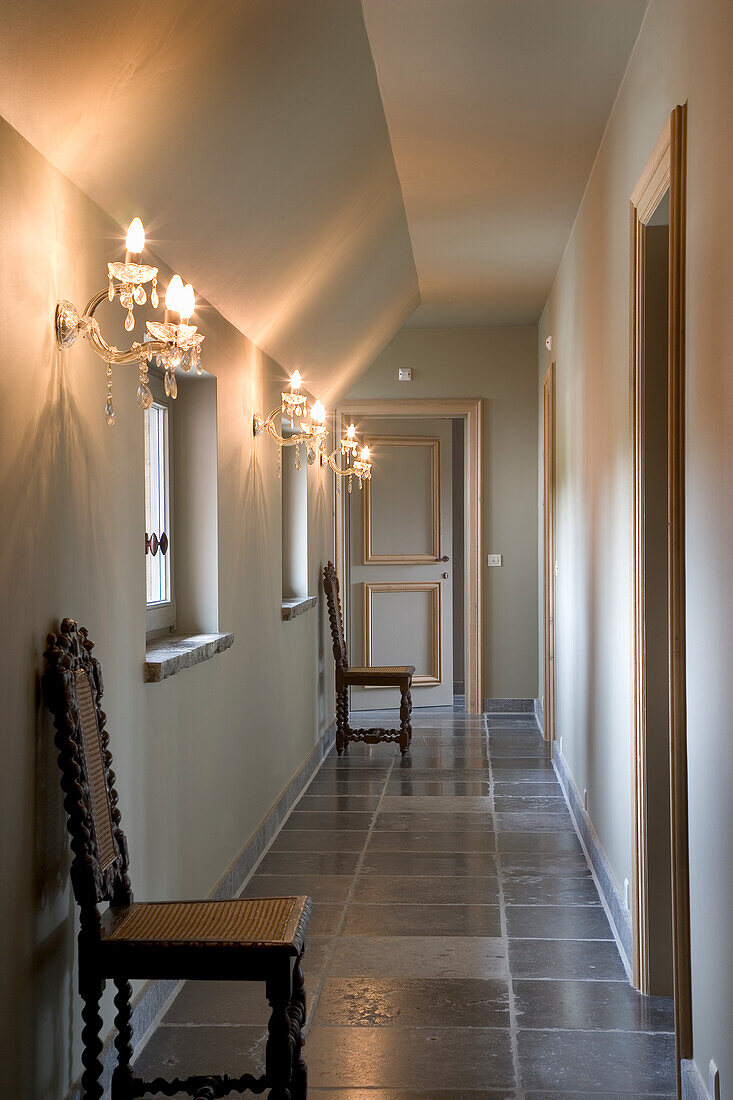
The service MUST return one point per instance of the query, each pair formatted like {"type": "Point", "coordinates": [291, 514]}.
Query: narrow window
{"type": "Point", "coordinates": [161, 610]}
{"type": "Point", "coordinates": [294, 519]}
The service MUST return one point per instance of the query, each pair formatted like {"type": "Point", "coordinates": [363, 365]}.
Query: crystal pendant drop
{"type": "Point", "coordinates": [186, 361]}
{"type": "Point", "coordinates": [154, 294]}
{"type": "Point", "coordinates": [144, 396]}
{"type": "Point", "coordinates": [349, 479]}
{"type": "Point", "coordinates": [174, 387]}
{"type": "Point", "coordinates": [126, 299]}
{"type": "Point", "coordinates": [111, 291]}
{"type": "Point", "coordinates": [140, 295]}
{"type": "Point", "coordinates": [199, 369]}
{"type": "Point", "coordinates": [109, 412]}
{"type": "Point", "coordinates": [129, 321]}
{"type": "Point", "coordinates": [167, 384]}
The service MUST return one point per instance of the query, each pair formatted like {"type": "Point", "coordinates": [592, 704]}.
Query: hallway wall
{"type": "Point", "coordinates": [214, 744]}
{"type": "Point", "coordinates": [683, 53]}
{"type": "Point", "coordinates": [499, 365]}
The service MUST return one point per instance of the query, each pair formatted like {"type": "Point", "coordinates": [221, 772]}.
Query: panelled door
{"type": "Point", "coordinates": [400, 560]}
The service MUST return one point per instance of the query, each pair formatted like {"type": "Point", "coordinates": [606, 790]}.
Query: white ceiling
{"type": "Point", "coordinates": [495, 111]}
{"type": "Point", "coordinates": [250, 137]}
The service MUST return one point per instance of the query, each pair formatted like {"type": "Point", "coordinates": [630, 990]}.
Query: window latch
{"type": "Point", "coordinates": [153, 543]}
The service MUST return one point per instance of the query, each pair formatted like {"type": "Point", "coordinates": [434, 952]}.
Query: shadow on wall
{"type": "Point", "coordinates": [53, 482]}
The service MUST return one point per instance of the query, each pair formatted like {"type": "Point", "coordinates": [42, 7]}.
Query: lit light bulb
{"type": "Point", "coordinates": [318, 413]}
{"type": "Point", "coordinates": [174, 296]}
{"type": "Point", "coordinates": [295, 381]}
{"type": "Point", "coordinates": [135, 240]}
{"type": "Point", "coordinates": [350, 431]}
{"type": "Point", "coordinates": [188, 302]}
{"type": "Point", "coordinates": [364, 454]}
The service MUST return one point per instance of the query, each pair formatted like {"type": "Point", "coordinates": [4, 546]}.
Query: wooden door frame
{"type": "Point", "coordinates": [666, 169]}
{"type": "Point", "coordinates": [548, 548]}
{"type": "Point", "coordinates": [470, 410]}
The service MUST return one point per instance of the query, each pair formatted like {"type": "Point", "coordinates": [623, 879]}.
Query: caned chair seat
{"type": "Point", "coordinates": [399, 676]}
{"type": "Point", "coordinates": [247, 923]}
{"type": "Point", "coordinates": [381, 670]}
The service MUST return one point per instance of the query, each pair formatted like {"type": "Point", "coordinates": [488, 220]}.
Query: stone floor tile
{"type": "Point", "coordinates": [432, 821]}
{"type": "Point", "coordinates": [418, 957]}
{"type": "Point", "coordinates": [314, 840]}
{"type": "Point", "coordinates": [308, 863]}
{"type": "Point", "coordinates": [558, 922]}
{"type": "Point", "coordinates": [418, 1057]}
{"type": "Point", "coordinates": [368, 919]}
{"type": "Point", "coordinates": [589, 960]}
{"type": "Point", "coordinates": [454, 840]}
{"type": "Point", "coordinates": [315, 801]}
{"type": "Point", "coordinates": [327, 889]}
{"type": "Point", "coordinates": [549, 890]}
{"type": "Point", "coordinates": [407, 786]}
{"type": "Point", "coordinates": [330, 819]}
{"type": "Point", "coordinates": [405, 1002]}
{"type": "Point", "coordinates": [625, 1062]}
{"type": "Point", "coordinates": [445, 890]}
{"type": "Point", "coordinates": [582, 1006]}
{"type": "Point", "coordinates": [438, 804]}
{"type": "Point", "coordinates": [428, 864]}
{"type": "Point", "coordinates": [546, 843]}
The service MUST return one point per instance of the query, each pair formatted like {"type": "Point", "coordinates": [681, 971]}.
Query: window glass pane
{"type": "Point", "coordinates": [157, 509]}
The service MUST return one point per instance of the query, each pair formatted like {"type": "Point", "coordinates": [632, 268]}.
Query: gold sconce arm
{"type": "Point", "coordinates": [69, 324]}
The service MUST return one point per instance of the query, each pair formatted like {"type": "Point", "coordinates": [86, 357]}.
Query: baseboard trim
{"type": "Point", "coordinates": [618, 915]}
{"type": "Point", "coordinates": [509, 706]}
{"type": "Point", "coordinates": [154, 997]}
{"type": "Point", "coordinates": [693, 1084]}
{"type": "Point", "coordinates": [539, 715]}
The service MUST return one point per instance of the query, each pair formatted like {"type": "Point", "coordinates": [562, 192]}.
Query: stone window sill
{"type": "Point", "coordinates": [166, 656]}
{"type": "Point", "coordinates": [292, 608]}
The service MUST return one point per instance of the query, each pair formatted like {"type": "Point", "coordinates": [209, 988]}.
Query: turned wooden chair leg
{"type": "Point", "coordinates": [342, 721]}
{"type": "Point", "coordinates": [405, 725]}
{"type": "Point", "coordinates": [279, 1051]}
{"type": "Point", "coordinates": [297, 1010]}
{"type": "Point", "coordinates": [91, 989]}
{"type": "Point", "coordinates": [122, 1079]}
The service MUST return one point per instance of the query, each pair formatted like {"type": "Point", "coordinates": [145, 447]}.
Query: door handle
{"type": "Point", "coordinates": [445, 558]}
{"type": "Point", "coordinates": [445, 576]}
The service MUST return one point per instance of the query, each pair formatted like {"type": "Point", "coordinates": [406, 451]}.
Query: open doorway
{"type": "Point", "coordinates": [661, 963]}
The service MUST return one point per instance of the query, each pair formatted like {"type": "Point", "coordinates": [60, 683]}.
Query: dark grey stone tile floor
{"type": "Point", "coordinates": [458, 947]}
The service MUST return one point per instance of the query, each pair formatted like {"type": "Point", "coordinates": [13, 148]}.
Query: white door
{"type": "Point", "coordinates": [400, 560]}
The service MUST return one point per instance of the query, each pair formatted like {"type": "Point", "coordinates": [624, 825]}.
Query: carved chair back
{"type": "Point", "coordinates": [331, 588]}
{"type": "Point", "coordinates": [73, 690]}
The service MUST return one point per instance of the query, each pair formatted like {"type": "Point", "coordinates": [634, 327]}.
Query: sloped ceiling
{"type": "Point", "coordinates": [250, 137]}
{"type": "Point", "coordinates": [495, 110]}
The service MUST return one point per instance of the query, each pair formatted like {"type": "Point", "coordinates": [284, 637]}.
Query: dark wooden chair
{"type": "Point", "coordinates": [259, 940]}
{"type": "Point", "coordinates": [399, 676]}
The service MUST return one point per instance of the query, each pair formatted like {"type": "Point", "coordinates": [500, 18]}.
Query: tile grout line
{"type": "Point", "coordinates": [347, 901]}
{"type": "Point", "coordinates": [513, 1026]}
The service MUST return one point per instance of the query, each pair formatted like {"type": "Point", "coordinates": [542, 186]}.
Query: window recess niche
{"type": "Point", "coordinates": [191, 634]}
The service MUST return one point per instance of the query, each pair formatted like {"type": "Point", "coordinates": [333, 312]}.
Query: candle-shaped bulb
{"type": "Point", "coordinates": [135, 240]}
{"type": "Point", "coordinates": [295, 381]}
{"type": "Point", "coordinates": [364, 454]}
{"type": "Point", "coordinates": [173, 294]}
{"type": "Point", "coordinates": [318, 413]}
{"type": "Point", "coordinates": [350, 432]}
{"type": "Point", "coordinates": [188, 302]}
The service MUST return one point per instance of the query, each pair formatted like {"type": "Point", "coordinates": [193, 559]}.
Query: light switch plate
{"type": "Point", "coordinates": [404, 374]}
{"type": "Point", "coordinates": [494, 559]}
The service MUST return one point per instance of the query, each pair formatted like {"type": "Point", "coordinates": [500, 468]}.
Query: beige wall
{"type": "Point", "coordinates": [683, 53]}
{"type": "Point", "coordinates": [498, 365]}
{"type": "Point", "coordinates": [216, 743]}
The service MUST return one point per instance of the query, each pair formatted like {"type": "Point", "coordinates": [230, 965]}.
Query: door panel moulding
{"type": "Point", "coordinates": [666, 169]}
{"type": "Point", "coordinates": [433, 588]}
{"type": "Point", "coordinates": [470, 410]}
{"type": "Point", "coordinates": [372, 558]}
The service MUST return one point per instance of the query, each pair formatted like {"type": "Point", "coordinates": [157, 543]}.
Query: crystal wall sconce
{"type": "Point", "coordinates": [173, 342]}
{"type": "Point", "coordinates": [313, 434]}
